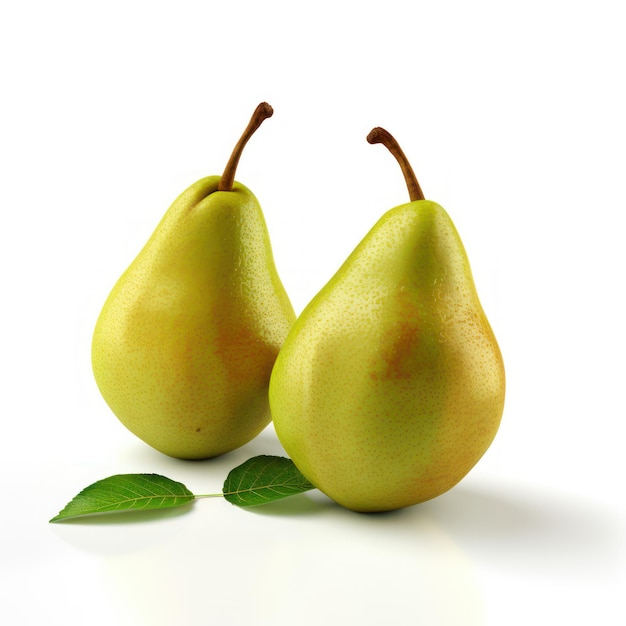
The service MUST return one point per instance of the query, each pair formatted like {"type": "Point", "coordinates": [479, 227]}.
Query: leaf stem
{"type": "Point", "coordinates": [262, 112]}
{"type": "Point", "coordinates": [380, 135]}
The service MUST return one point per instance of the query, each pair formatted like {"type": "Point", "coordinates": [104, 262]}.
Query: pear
{"type": "Point", "coordinates": [390, 385]}
{"type": "Point", "coordinates": [183, 349]}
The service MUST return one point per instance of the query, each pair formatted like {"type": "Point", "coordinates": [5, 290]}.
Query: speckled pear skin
{"type": "Point", "coordinates": [390, 385]}
{"type": "Point", "coordinates": [184, 346]}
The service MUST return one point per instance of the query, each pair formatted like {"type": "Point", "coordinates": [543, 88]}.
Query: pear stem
{"type": "Point", "coordinates": [262, 112]}
{"type": "Point", "coordinates": [380, 135]}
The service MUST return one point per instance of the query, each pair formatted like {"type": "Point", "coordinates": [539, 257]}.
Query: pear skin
{"type": "Point", "coordinates": [184, 346]}
{"type": "Point", "coordinates": [390, 385]}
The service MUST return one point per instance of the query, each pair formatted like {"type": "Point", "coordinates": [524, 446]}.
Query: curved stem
{"type": "Point", "coordinates": [262, 112]}
{"type": "Point", "coordinates": [380, 135]}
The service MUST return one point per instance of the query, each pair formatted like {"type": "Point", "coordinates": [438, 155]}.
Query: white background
{"type": "Point", "coordinates": [512, 114]}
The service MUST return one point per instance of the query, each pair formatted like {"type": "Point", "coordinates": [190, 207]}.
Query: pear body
{"type": "Point", "coordinates": [390, 385]}
{"type": "Point", "coordinates": [183, 349]}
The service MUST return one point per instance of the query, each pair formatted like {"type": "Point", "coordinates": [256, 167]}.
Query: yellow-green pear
{"type": "Point", "coordinates": [184, 346]}
{"type": "Point", "coordinates": [390, 385]}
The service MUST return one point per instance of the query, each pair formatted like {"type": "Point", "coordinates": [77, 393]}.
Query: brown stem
{"type": "Point", "coordinates": [262, 112]}
{"type": "Point", "coordinates": [380, 135]}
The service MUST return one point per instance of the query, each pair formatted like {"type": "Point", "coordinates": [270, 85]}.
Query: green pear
{"type": "Point", "coordinates": [390, 385]}
{"type": "Point", "coordinates": [183, 349]}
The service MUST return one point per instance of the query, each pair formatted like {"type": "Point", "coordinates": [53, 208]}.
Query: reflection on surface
{"type": "Point", "coordinates": [399, 568]}
{"type": "Point", "coordinates": [306, 560]}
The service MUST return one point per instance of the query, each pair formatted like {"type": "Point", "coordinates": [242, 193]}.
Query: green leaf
{"type": "Point", "coordinates": [263, 479]}
{"type": "Point", "coordinates": [125, 492]}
